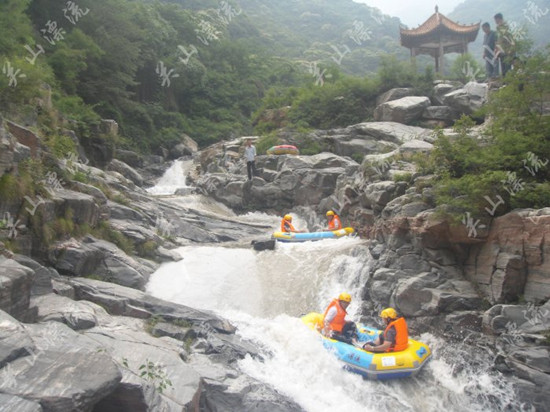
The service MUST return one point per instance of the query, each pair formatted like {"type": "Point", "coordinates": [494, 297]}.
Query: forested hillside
{"type": "Point", "coordinates": [162, 69]}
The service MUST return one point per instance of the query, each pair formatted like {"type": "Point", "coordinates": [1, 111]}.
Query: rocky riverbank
{"type": "Point", "coordinates": [77, 331]}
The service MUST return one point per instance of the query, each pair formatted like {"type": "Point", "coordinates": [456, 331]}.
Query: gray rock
{"type": "Point", "coordinates": [422, 296]}
{"type": "Point", "coordinates": [132, 159]}
{"type": "Point", "coordinates": [126, 171]}
{"type": "Point", "coordinates": [56, 380]}
{"type": "Point", "coordinates": [537, 358]}
{"type": "Point", "coordinates": [120, 300]}
{"type": "Point", "coordinates": [15, 342]}
{"type": "Point", "coordinates": [394, 94]}
{"type": "Point", "coordinates": [361, 147]}
{"type": "Point", "coordinates": [83, 207]}
{"type": "Point", "coordinates": [405, 110]}
{"type": "Point", "coordinates": [10, 403]}
{"type": "Point", "coordinates": [389, 131]}
{"type": "Point", "coordinates": [440, 90]}
{"type": "Point", "coordinates": [252, 398]}
{"type": "Point", "coordinates": [415, 146]}
{"type": "Point", "coordinates": [42, 283]}
{"type": "Point", "coordinates": [377, 195]}
{"type": "Point", "coordinates": [15, 287]}
{"type": "Point", "coordinates": [98, 258]}
{"type": "Point", "coordinates": [136, 394]}
{"type": "Point", "coordinates": [6, 150]}
{"type": "Point", "coordinates": [77, 315]}
{"type": "Point", "coordinates": [439, 113]}
{"type": "Point", "coordinates": [132, 348]}
{"type": "Point", "coordinates": [468, 99]}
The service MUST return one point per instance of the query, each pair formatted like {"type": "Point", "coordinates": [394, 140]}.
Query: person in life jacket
{"type": "Point", "coordinates": [286, 225]}
{"type": "Point", "coordinates": [395, 337]}
{"type": "Point", "coordinates": [334, 222]}
{"type": "Point", "coordinates": [335, 325]}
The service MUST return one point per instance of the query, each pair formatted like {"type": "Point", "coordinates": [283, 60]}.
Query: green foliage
{"type": "Point", "coordinates": [510, 161]}
{"type": "Point", "coordinates": [60, 145]}
{"type": "Point", "coordinates": [465, 69]}
{"type": "Point", "coordinates": [155, 373]}
{"type": "Point", "coordinates": [265, 142]}
{"type": "Point", "coordinates": [106, 232]}
{"type": "Point", "coordinates": [147, 249]}
{"type": "Point", "coordinates": [308, 145]}
{"type": "Point", "coordinates": [402, 177]}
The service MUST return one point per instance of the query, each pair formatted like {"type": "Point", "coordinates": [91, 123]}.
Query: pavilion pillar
{"type": "Point", "coordinates": [439, 64]}
{"type": "Point", "coordinates": [414, 52]}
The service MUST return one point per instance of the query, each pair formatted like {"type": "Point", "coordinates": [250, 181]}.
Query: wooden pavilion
{"type": "Point", "coordinates": [437, 36]}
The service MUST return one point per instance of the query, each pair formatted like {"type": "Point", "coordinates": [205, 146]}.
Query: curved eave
{"type": "Point", "coordinates": [412, 39]}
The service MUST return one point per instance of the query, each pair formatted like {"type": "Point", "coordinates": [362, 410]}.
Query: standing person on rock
{"type": "Point", "coordinates": [335, 325]}
{"type": "Point", "coordinates": [334, 222]}
{"type": "Point", "coordinates": [489, 44]}
{"type": "Point", "coordinates": [250, 156]}
{"type": "Point", "coordinates": [505, 44]}
{"type": "Point", "coordinates": [395, 337]}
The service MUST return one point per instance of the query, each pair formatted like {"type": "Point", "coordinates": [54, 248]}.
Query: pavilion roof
{"type": "Point", "coordinates": [438, 25]}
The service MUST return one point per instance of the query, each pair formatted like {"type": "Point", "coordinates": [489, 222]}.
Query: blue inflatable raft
{"type": "Point", "coordinates": [304, 237]}
{"type": "Point", "coordinates": [379, 366]}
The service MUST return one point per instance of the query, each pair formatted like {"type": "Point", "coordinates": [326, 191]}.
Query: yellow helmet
{"type": "Point", "coordinates": [346, 297]}
{"type": "Point", "coordinates": [330, 213]}
{"type": "Point", "coordinates": [288, 217]}
{"type": "Point", "coordinates": [388, 313]}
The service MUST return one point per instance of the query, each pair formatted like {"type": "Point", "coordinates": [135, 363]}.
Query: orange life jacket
{"type": "Point", "coordinates": [338, 322]}
{"type": "Point", "coordinates": [335, 223]}
{"type": "Point", "coordinates": [401, 335]}
{"type": "Point", "coordinates": [286, 226]}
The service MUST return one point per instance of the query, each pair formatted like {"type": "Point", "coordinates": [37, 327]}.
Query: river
{"type": "Point", "coordinates": [264, 293]}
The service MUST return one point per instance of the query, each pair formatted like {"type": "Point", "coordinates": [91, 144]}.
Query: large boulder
{"type": "Point", "coordinates": [15, 341]}
{"type": "Point", "coordinates": [405, 110]}
{"type": "Point", "coordinates": [427, 295]}
{"type": "Point", "coordinates": [440, 90]}
{"type": "Point", "coordinates": [126, 171]}
{"type": "Point", "coordinates": [186, 147]}
{"type": "Point", "coordinates": [61, 374]}
{"type": "Point", "coordinates": [15, 287]}
{"type": "Point", "coordinates": [377, 195]}
{"type": "Point", "coordinates": [394, 94]}
{"type": "Point", "coordinates": [15, 403]}
{"type": "Point", "coordinates": [469, 99]}
{"type": "Point", "coordinates": [98, 258]}
{"type": "Point", "coordinates": [511, 262]}
{"type": "Point", "coordinates": [82, 207]}
{"type": "Point", "coordinates": [389, 131]}
{"type": "Point", "coordinates": [130, 158]}
{"type": "Point", "coordinates": [78, 315]}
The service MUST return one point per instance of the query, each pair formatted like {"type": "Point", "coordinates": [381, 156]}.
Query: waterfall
{"type": "Point", "coordinates": [173, 179]}
{"type": "Point", "coordinates": [264, 294]}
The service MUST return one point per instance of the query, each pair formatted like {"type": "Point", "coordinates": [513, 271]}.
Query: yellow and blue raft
{"type": "Point", "coordinates": [378, 366]}
{"type": "Point", "coordinates": [304, 237]}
